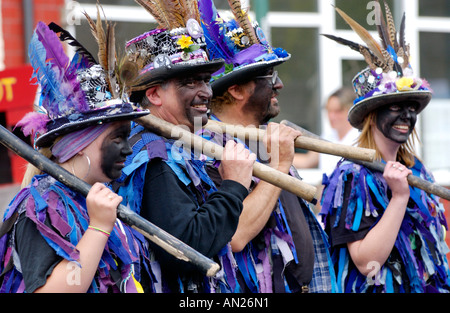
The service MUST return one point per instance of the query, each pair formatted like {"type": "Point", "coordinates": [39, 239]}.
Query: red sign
{"type": "Point", "coordinates": [17, 93]}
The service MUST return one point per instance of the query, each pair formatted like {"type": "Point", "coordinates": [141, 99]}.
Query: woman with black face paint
{"type": "Point", "coordinates": [56, 240]}
{"type": "Point", "coordinates": [385, 235]}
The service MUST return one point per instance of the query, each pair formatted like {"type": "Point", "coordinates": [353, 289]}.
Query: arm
{"type": "Point", "coordinates": [174, 207]}
{"type": "Point", "coordinates": [258, 206]}
{"type": "Point", "coordinates": [102, 214]}
{"type": "Point", "coordinates": [379, 241]}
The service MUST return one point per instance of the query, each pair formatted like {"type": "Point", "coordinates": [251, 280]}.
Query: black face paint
{"type": "Point", "coordinates": [262, 103]}
{"type": "Point", "coordinates": [195, 94]}
{"type": "Point", "coordinates": [397, 121]}
{"type": "Point", "coordinates": [114, 151]}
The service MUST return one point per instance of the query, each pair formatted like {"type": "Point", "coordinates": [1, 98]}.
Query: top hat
{"type": "Point", "coordinates": [176, 48]}
{"type": "Point", "coordinates": [242, 44]}
{"type": "Point", "coordinates": [389, 77]}
{"type": "Point", "coordinates": [75, 93]}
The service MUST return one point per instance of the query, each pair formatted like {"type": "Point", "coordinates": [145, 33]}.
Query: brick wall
{"type": "Point", "coordinates": [13, 29]}
{"type": "Point", "coordinates": [15, 53]}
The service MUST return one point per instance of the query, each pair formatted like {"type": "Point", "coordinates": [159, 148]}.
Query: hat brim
{"type": "Point", "coordinates": [91, 118]}
{"type": "Point", "coordinates": [162, 74]}
{"type": "Point", "coordinates": [359, 111]}
{"type": "Point", "coordinates": [243, 74]}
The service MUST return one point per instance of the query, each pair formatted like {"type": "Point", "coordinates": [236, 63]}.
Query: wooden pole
{"type": "Point", "coordinates": [303, 142]}
{"type": "Point", "coordinates": [169, 243]}
{"type": "Point", "coordinates": [211, 149]}
{"type": "Point", "coordinates": [431, 188]}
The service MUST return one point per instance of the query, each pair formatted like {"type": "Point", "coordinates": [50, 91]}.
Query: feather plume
{"type": "Point", "coordinates": [382, 28]}
{"type": "Point", "coordinates": [214, 30]}
{"type": "Point", "coordinates": [155, 8]}
{"type": "Point", "coordinates": [175, 13]}
{"type": "Point", "coordinates": [65, 36]}
{"type": "Point", "coordinates": [32, 123]}
{"type": "Point", "coordinates": [402, 42]}
{"type": "Point", "coordinates": [128, 70]}
{"type": "Point", "coordinates": [391, 27]}
{"type": "Point", "coordinates": [243, 20]}
{"type": "Point", "coordinates": [191, 10]}
{"type": "Point", "coordinates": [106, 47]}
{"type": "Point", "coordinates": [60, 89]}
{"type": "Point", "coordinates": [369, 57]}
{"type": "Point", "coordinates": [363, 34]}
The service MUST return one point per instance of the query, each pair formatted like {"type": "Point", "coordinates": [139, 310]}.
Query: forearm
{"type": "Point", "coordinates": [258, 207]}
{"type": "Point", "coordinates": [379, 241]}
{"type": "Point", "coordinates": [73, 279]}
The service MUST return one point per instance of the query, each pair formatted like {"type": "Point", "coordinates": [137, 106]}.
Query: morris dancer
{"type": "Point", "coordinates": [385, 235]}
{"type": "Point", "coordinates": [59, 241]}
{"type": "Point", "coordinates": [165, 183]}
{"type": "Point", "coordinates": [279, 245]}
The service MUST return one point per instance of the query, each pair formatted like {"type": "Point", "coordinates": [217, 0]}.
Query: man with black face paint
{"type": "Point", "coordinates": [247, 96]}
{"type": "Point", "coordinates": [167, 184]}
{"type": "Point", "coordinates": [385, 235]}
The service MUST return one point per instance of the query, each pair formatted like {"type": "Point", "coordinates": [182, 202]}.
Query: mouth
{"type": "Point", "coordinates": [202, 107]}
{"type": "Point", "coordinates": [120, 163]}
{"type": "Point", "coordinates": [401, 128]}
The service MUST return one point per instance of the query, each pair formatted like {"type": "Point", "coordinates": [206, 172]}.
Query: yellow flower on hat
{"type": "Point", "coordinates": [404, 84]}
{"type": "Point", "coordinates": [185, 41]}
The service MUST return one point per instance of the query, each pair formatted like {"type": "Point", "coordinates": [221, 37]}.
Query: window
{"type": "Point", "coordinates": [300, 75]}
{"type": "Point", "coordinates": [293, 6]}
{"type": "Point", "coordinates": [436, 8]}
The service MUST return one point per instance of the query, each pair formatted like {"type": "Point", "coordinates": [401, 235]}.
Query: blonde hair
{"type": "Point", "coordinates": [32, 171]}
{"type": "Point", "coordinates": [405, 154]}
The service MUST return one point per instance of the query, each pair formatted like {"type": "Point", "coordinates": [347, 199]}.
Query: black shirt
{"type": "Point", "coordinates": [175, 207]}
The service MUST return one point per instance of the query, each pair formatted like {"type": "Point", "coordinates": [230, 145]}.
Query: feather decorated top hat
{"type": "Point", "coordinates": [241, 43]}
{"type": "Point", "coordinates": [389, 77]}
{"type": "Point", "coordinates": [175, 48]}
{"type": "Point", "coordinates": [75, 93]}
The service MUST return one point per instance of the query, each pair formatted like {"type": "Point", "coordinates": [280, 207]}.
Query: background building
{"type": "Point", "coordinates": [317, 68]}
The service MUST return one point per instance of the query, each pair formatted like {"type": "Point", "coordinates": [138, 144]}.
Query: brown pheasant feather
{"type": "Point", "coordinates": [156, 10]}
{"type": "Point", "coordinates": [243, 20]}
{"type": "Point", "coordinates": [371, 43]}
{"type": "Point", "coordinates": [106, 47]}
{"type": "Point", "coordinates": [391, 27]}
{"type": "Point", "coordinates": [191, 10]}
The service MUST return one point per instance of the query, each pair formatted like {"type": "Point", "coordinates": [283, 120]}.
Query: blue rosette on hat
{"type": "Point", "coordinates": [389, 77]}
{"type": "Point", "coordinates": [76, 93]}
{"type": "Point", "coordinates": [175, 48]}
{"type": "Point", "coordinates": [241, 43]}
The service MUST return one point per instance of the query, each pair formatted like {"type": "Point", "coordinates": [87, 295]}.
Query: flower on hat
{"type": "Point", "coordinates": [404, 84]}
{"type": "Point", "coordinates": [185, 42]}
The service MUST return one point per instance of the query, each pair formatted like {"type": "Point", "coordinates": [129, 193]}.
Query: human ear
{"type": "Point", "coordinates": [153, 95]}
{"type": "Point", "coordinates": [237, 92]}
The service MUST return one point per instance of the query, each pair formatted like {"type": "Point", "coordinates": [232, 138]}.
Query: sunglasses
{"type": "Point", "coordinates": [272, 77]}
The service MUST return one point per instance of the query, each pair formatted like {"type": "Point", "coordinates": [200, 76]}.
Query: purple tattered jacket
{"type": "Point", "coordinates": [61, 217]}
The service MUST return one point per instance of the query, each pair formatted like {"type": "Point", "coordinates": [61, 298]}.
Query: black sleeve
{"type": "Point", "coordinates": [340, 235]}
{"type": "Point", "coordinates": [169, 204]}
{"type": "Point", "coordinates": [37, 258]}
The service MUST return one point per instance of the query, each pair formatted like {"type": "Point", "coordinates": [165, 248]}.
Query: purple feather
{"type": "Point", "coordinates": [214, 31]}
{"type": "Point", "coordinates": [33, 123]}
{"type": "Point", "coordinates": [60, 86]}
{"type": "Point", "coordinates": [54, 50]}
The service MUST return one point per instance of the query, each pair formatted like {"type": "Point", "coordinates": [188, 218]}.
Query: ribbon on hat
{"type": "Point", "coordinates": [72, 143]}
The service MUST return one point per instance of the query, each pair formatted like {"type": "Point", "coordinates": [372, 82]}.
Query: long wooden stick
{"type": "Point", "coordinates": [431, 188]}
{"type": "Point", "coordinates": [169, 243]}
{"type": "Point", "coordinates": [303, 142]}
{"type": "Point", "coordinates": [211, 149]}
